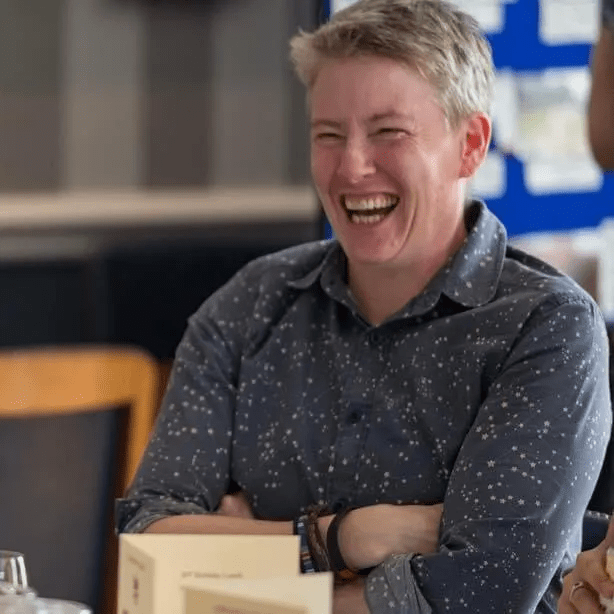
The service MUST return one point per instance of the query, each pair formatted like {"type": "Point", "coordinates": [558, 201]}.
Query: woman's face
{"type": "Point", "coordinates": [386, 166]}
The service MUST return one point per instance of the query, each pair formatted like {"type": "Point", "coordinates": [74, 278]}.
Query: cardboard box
{"type": "Point", "coordinates": [153, 567]}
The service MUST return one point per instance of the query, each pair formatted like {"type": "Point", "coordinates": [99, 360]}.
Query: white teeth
{"type": "Point", "coordinates": [370, 210]}
{"type": "Point", "coordinates": [366, 204]}
{"type": "Point", "coordinates": [366, 219]}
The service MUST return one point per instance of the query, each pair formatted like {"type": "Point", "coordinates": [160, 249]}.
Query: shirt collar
{"type": "Point", "coordinates": [470, 278]}
{"type": "Point", "coordinates": [332, 261]}
{"type": "Point", "coordinates": [472, 275]}
{"type": "Point", "coordinates": [331, 272]}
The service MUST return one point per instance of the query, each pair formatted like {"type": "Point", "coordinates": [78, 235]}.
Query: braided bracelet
{"type": "Point", "coordinates": [317, 547]}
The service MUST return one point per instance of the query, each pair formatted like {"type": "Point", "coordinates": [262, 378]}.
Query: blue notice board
{"type": "Point", "coordinates": [518, 48]}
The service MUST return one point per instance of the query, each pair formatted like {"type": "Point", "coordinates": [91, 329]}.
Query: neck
{"type": "Point", "coordinates": [380, 290]}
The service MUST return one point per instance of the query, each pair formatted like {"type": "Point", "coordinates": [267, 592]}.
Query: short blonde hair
{"type": "Point", "coordinates": [444, 44]}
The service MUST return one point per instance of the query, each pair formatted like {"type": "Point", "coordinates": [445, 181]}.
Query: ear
{"type": "Point", "coordinates": [475, 131]}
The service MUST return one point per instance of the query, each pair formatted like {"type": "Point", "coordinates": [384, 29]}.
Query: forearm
{"type": "Point", "coordinates": [369, 535]}
{"type": "Point", "coordinates": [218, 524]}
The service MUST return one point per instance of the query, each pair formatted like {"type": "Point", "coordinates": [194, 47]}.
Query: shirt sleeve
{"type": "Point", "coordinates": [515, 500]}
{"type": "Point", "coordinates": [185, 468]}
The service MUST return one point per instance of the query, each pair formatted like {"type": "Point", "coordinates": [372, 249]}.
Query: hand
{"type": "Point", "coordinates": [590, 572]}
{"type": "Point", "coordinates": [235, 505]}
{"type": "Point", "coordinates": [369, 535]}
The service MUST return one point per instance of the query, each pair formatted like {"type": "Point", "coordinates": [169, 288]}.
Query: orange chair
{"type": "Point", "coordinates": [74, 422]}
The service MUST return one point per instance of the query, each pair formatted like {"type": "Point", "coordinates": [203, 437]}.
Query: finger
{"type": "Point", "coordinates": [225, 506]}
{"type": "Point", "coordinates": [591, 568]}
{"type": "Point", "coordinates": [229, 506]}
{"type": "Point", "coordinates": [243, 506]}
{"type": "Point", "coordinates": [565, 607]}
{"type": "Point", "coordinates": [236, 506]}
{"type": "Point", "coordinates": [584, 600]}
{"type": "Point", "coordinates": [602, 584]}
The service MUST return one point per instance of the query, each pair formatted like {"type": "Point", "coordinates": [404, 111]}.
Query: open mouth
{"type": "Point", "coordinates": [369, 210]}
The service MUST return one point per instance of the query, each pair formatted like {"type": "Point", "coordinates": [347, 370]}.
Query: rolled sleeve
{"type": "Point", "coordinates": [522, 480]}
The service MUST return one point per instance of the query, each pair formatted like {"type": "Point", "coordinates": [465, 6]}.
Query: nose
{"type": "Point", "coordinates": [356, 161]}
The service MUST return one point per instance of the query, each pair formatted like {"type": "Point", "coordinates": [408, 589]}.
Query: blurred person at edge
{"type": "Point", "coordinates": [601, 101]}
{"type": "Point", "coordinates": [446, 388]}
{"type": "Point", "coordinates": [584, 585]}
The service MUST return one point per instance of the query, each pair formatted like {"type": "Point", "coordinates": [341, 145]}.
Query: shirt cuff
{"type": "Point", "coordinates": [135, 517]}
{"type": "Point", "coordinates": [391, 588]}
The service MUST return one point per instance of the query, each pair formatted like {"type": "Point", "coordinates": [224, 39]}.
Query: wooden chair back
{"type": "Point", "coordinates": [99, 404]}
{"type": "Point", "coordinates": [64, 380]}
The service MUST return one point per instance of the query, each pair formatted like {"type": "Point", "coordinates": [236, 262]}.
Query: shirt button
{"type": "Point", "coordinates": [354, 417]}
{"type": "Point", "coordinates": [339, 505]}
{"type": "Point", "coordinates": [375, 336]}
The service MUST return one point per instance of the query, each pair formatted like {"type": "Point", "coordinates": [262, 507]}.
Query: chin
{"type": "Point", "coordinates": [371, 257]}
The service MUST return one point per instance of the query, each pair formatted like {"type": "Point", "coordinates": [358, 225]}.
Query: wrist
{"type": "Point", "coordinates": [366, 540]}
{"type": "Point", "coordinates": [354, 545]}
{"type": "Point", "coordinates": [346, 569]}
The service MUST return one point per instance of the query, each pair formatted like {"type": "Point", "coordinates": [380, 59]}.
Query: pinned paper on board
{"type": "Point", "coordinates": [337, 5]}
{"type": "Point", "coordinates": [490, 14]}
{"type": "Point", "coordinates": [540, 118]}
{"type": "Point", "coordinates": [505, 110]}
{"type": "Point", "coordinates": [551, 133]}
{"type": "Point", "coordinates": [564, 22]}
{"type": "Point", "coordinates": [490, 181]}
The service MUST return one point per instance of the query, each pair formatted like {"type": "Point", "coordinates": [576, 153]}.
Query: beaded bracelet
{"type": "Point", "coordinates": [300, 529]}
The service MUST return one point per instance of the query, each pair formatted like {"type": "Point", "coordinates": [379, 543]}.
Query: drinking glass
{"type": "Point", "coordinates": [13, 576]}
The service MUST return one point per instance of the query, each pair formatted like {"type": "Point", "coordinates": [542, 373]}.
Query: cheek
{"type": "Point", "coordinates": [321, 169]}
{"type": "Point", "coordinates": [396, 162]}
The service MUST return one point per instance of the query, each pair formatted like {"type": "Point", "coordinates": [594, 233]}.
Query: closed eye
{"type": "Point", "coordinates": [327, 136]}
{"type": "Point", "coordinates": [390, 132]}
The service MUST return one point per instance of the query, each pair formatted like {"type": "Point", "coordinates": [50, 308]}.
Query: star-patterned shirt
{"type": "Point", "coordinates": [487, 392]}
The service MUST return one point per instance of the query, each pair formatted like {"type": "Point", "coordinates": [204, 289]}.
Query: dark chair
{"type": "Point", "coordinates": [74, 422]}
{"type": "Point", "coordinates": [594, 528]}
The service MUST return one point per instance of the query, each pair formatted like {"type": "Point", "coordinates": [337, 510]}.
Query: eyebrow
{"type": "Point", "coordinates": [372, 119]}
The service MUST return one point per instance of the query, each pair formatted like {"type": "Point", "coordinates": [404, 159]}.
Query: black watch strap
{"type": "Point", "coordinates": [337, 563]}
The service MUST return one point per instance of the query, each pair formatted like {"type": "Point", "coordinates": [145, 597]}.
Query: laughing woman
{"type": "Point", "coordinates": [424, 405]}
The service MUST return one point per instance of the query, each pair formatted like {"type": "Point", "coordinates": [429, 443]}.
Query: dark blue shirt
{"type": "Point", "coordinates": [488, 391]}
